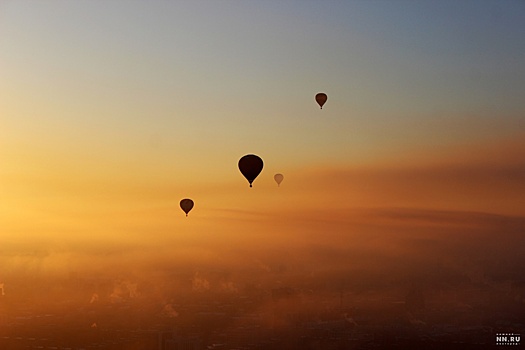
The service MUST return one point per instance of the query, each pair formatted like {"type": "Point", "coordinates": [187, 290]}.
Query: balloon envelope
{"type": "Point", "coordinates": [186, 204]}
{"type": "Point", "coordinates": [278, 178]}
{"type": "Point", "coordinates": [250, 166]}
{"type": "Point", "coordinates": [321, 98]}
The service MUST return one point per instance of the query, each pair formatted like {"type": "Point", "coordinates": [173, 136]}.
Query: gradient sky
{"type": "Point", "coordinates": [113, 111]}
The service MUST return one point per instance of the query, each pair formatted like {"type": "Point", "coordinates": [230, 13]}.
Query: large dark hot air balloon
{"type": "Point", "coordinates": [186, 204]}
{"type": "Point", "coordinates": [321, 98]}
{"type": "Point", "coordinates": [278, 178]}
{"type": "Point", "coordinates": [250, 166]}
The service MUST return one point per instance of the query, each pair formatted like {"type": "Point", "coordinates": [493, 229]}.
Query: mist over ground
{"type": "Point", "coordinates": [367, 250]}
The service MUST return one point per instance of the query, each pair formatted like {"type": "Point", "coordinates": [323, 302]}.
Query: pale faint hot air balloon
{"type": "Point", "coordinates": [186, 205]}
{"type": "Point", "coordinates": [321, 98]}
{"type": "Point", "coordinates": [278, 178]}
{"type": "Point", "coordinates": [250, 166]}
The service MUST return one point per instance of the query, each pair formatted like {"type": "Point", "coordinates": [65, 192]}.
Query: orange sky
{"type": "Point", "coordinates": [108, 118]}
{"type": "Point", "coordinates": [68, 198]}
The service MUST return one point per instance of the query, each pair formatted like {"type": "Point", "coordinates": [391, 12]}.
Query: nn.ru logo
{"type": "Point", "coordinates": [507, 339]}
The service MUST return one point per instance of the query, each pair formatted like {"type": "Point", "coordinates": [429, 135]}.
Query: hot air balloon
{"type": "Point", "coordinates": [186, 204]}
{"type": "Point", "coordinates": [321, 99]}
{"type": "Point", "coordinates": [250, 166]}
{"type": "Point", "coordinates": [278, 178]}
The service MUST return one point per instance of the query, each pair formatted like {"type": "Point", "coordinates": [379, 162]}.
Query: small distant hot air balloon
{"type": "Point", "coordinates": [186, 205]}
{"type": "Point", "coordinates": [321, 98]}
{"type": "Point", "coordinates": [250, 166]}
{"type": "Point", "coordinates": [278, 178]}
